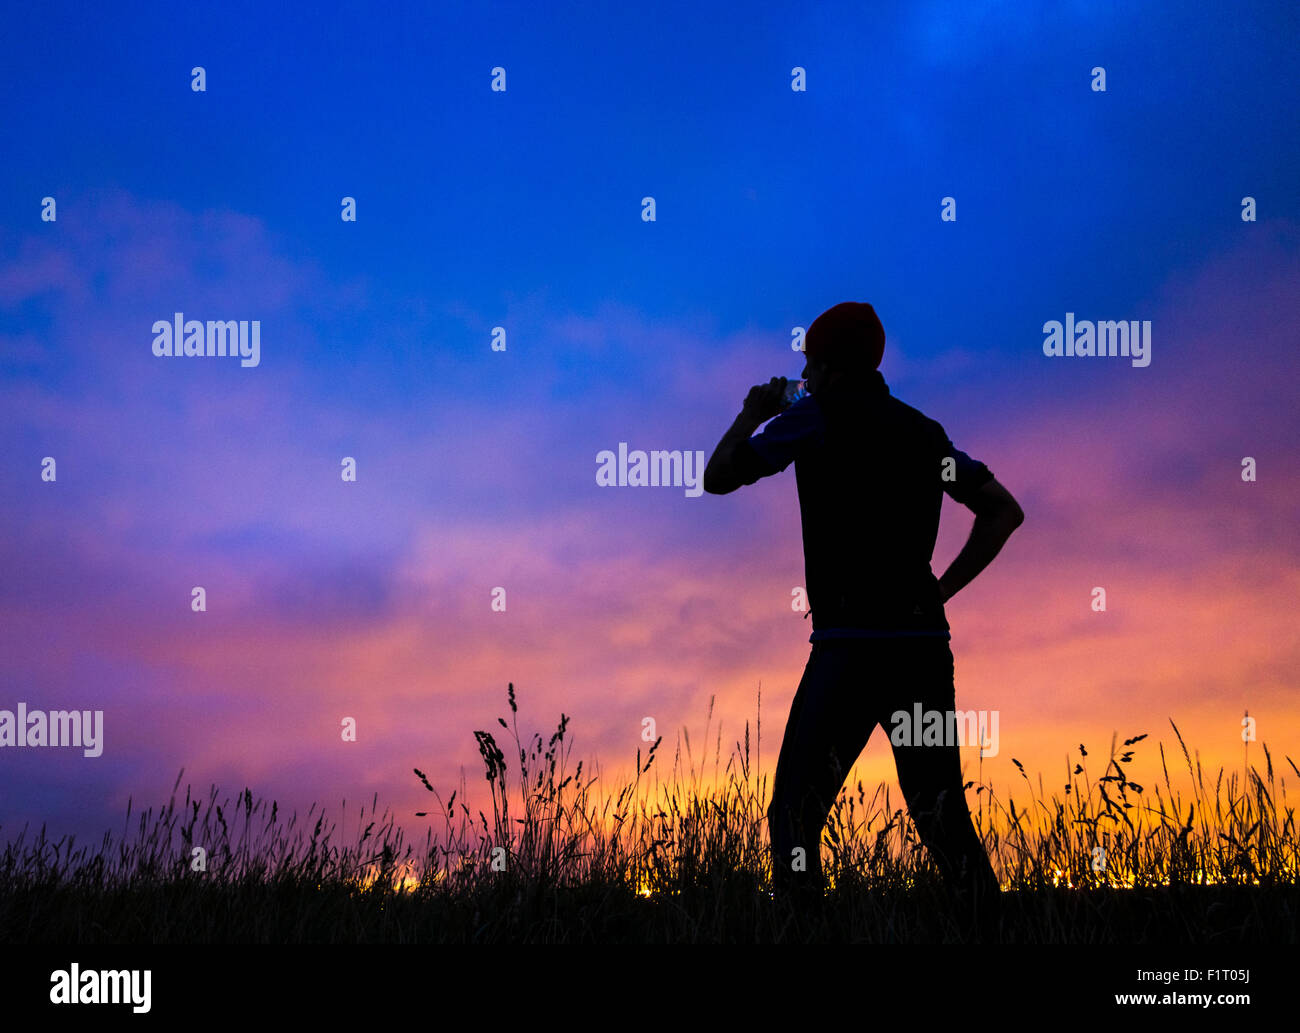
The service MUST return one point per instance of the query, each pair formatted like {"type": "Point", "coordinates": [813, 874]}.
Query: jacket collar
{"type": "Point", "coordinates": [872, 387]}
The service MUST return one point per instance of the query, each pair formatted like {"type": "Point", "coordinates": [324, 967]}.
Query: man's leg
{"type": "Point", "coordinates": [930, 776]}
{"type": "Point", "coordinates": [829, 724]}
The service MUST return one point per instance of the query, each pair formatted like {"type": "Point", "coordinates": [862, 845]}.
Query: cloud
{"type": "Point", "coordinates": [372, 600]}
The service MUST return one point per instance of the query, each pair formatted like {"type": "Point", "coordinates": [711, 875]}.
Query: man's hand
{"type": "Point", "coordinates": [762, 403]}
{"type": "Point", "coordinates": [765, 400]}
{"type": "Point", "coordinates": [997, 514]}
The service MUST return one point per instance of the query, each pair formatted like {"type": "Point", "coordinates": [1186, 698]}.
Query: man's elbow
{"type": "Point", "coordinates": [718, 484]}
{"type": "Point", "coordinates": [996, 507]}
{"type": "Point", "coordinates": [1005, 516]}
{"type": "Point", "coordinates": [1011, 516]}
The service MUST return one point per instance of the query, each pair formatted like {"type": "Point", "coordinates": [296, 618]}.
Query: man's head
{"type": "Point", "coordinates": [844, 342]}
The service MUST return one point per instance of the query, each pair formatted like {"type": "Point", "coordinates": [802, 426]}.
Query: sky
{"type": "Point", "coordinates": [523, 209]}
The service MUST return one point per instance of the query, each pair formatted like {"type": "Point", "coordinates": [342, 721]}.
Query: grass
{"type": "Point", "coordinates": [683, 859]}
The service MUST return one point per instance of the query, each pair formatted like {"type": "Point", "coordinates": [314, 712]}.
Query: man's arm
{"type": "Point", "coordinates": [720, 476]}
{"type": "Point", "coordinates": [761, 404]}
{"type": "Point", "coordinates": [997, 514]}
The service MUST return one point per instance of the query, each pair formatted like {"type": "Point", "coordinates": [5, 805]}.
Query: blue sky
{"type": "Point", "coordinates": [772, 205]}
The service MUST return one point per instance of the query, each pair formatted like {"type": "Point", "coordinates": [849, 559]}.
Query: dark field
{"type": "Point", "coordinates": [558, 860]}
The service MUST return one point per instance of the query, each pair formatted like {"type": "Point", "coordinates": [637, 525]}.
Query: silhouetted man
{"type": "Point", "coordinates": [871, 472]}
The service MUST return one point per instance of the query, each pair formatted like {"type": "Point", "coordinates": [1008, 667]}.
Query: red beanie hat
{"type": "Point", "coordinates": [847, 336]}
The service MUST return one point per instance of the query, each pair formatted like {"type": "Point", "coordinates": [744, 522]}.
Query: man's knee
{"type": "Point", "coordinates": [776, 809]}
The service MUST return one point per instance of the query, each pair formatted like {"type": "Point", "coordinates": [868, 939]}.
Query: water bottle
{"type": "Point", "coordinates": [795, 390]}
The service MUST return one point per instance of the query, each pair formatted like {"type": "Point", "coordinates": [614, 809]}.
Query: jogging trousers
{"type": "Point", "coordinates": [849, 687]}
